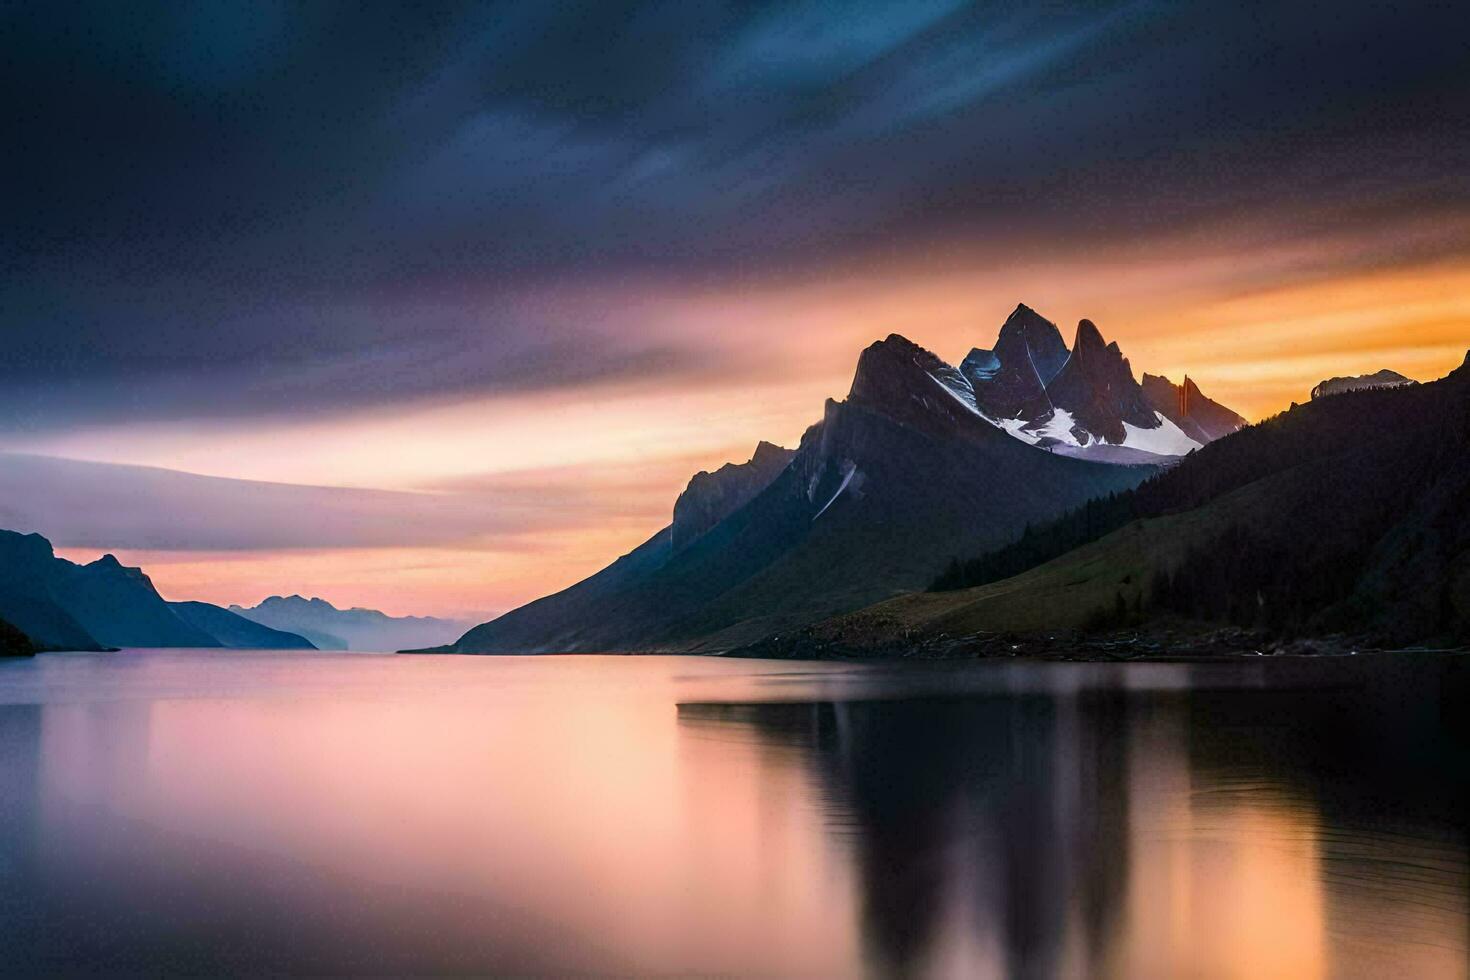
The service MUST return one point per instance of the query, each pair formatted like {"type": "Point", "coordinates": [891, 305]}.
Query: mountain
{"type": "Point", "coordinates": [233, 630]}
{"type": "Point", "coordinates": [64, 606]}
{"type": "Point", "coordinates": [330, 628]}
{"type": "Point", "coordinates": [1097, 389]}
{"type": "Point", "coordinates": [905, 472]}
{"type": "Point", "coordinates": [1380, 379]}
{"type": "Point", "coordinates": [1084, 401]}
{"type": "Point", "coordinates": [28, 572]}
{"type": "Point", "coordinates": [1186, 406]}
{"type": "Point", "coordinates": [1348, 515]}
{"type": "Point", "coordinates": [1010, 379]}
{"type": "Point", "coordinates": [711, 497]}
{"type": "Point", "coordinates": [120, 607]}
{"type": "Point", "coordinates": [14, 643]}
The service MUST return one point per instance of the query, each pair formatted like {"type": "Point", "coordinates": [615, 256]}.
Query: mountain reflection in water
{"type": "Point", "coordinates": [219, 811]}
{"type": "Point", "coordinates": [1305, 831]}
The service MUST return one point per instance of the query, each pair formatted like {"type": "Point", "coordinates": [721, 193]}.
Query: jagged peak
{"type": "Point", "coordinates": [296, 598]}
{"type": "Point", "coordinates": [1088, 337]}
{"type": "Point", "coordinates": [895, 340]}
{"type": "Point", "coordinates": [1023, 319]}
{"type": "Point", "coordinates": [895, 348]}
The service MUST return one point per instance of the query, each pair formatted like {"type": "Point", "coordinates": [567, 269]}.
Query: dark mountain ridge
{"type": "Point", "coordinates": [119, 605]}
{"type": "Point", "coordinates": [64, 606]}
{"type": "Point", "coordinates": [711, 497]}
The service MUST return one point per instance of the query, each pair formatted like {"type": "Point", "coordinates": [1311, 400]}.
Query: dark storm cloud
{"type": "Point", "coordinates": [234, 209]}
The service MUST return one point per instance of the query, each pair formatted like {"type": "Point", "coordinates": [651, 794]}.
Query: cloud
{"type": "Point", "coordinates": [108, 506]}
{"type": "Point", "coordinates": [226, 210]}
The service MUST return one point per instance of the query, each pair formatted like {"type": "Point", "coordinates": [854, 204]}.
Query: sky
{"type": "Point", "coordinates": [483, 285]}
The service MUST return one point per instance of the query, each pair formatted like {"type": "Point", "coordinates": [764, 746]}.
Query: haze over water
{"type": "Point", "coordinates": [255, 812]}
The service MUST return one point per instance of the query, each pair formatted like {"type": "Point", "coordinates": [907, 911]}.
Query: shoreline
{"type": "Point", "coordinates": [1123, 646]}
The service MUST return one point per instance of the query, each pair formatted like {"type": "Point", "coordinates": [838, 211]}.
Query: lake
{"type": "Point", "coordinates": [208, 811]}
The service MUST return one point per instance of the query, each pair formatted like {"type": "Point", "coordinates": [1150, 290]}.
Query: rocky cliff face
{"type": "Point", "coordinates": [711, 497]}
{"type": "Point", "coordinates": [1097, 387]}
{"type": "Point", "coordinates": [1200, 418]}
{"type": "Point", "coordinates": [1010, 380]}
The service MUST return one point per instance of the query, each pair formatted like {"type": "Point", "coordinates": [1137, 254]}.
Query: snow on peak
{"type": "Point", "coordinates": [1166, 439]}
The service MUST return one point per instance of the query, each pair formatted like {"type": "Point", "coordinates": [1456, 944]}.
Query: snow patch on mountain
{"type": "Point", "coordinates": [848, 469]}
{"type": "Point", "coordinates": [1167, 439]}
{"type": "Point", "coordinates": [959, 389]}
{"type": "Point", "coordinates": [1061, 427]}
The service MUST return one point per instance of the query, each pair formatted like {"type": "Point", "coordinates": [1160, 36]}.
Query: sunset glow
{"type": "Point", "coordinates": [558, 297]}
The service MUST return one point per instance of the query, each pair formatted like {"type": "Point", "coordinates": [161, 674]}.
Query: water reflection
{"type": "Point", "coordinates": [1305, 831]}
{"type": "Point", "coordinates": [224, 812]}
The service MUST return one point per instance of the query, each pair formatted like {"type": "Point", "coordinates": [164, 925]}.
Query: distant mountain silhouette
{"type": "Point", "coordinates": [330, 628]}
{"type": "Point", "coordinates": [1350, 514]}
{"type": "Point", "coordinates": [64, 606]}
{"type": "Point", "coordinates": [1380, 379]}
{"type": "Point", "coordinates": [921, 461]}
{"type": "Point", "coordinates": [234, 630]}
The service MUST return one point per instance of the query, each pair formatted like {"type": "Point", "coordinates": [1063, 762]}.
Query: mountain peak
{"type": "Point", "coordinates": [1010, 380]}
{"type": "Point", "coordinates": [1096, 386]}
{"type": "Point", "coordinates": [885, 363]}
{"type": "Point", "coordinates": [1088, 339]}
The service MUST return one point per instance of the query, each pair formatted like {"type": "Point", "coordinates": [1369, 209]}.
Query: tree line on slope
{"type": "Point", "coordinates": [1367, 527]}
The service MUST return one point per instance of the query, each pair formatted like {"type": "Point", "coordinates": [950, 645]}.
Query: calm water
{"type": "Point", "coordinates": [322, 813]}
